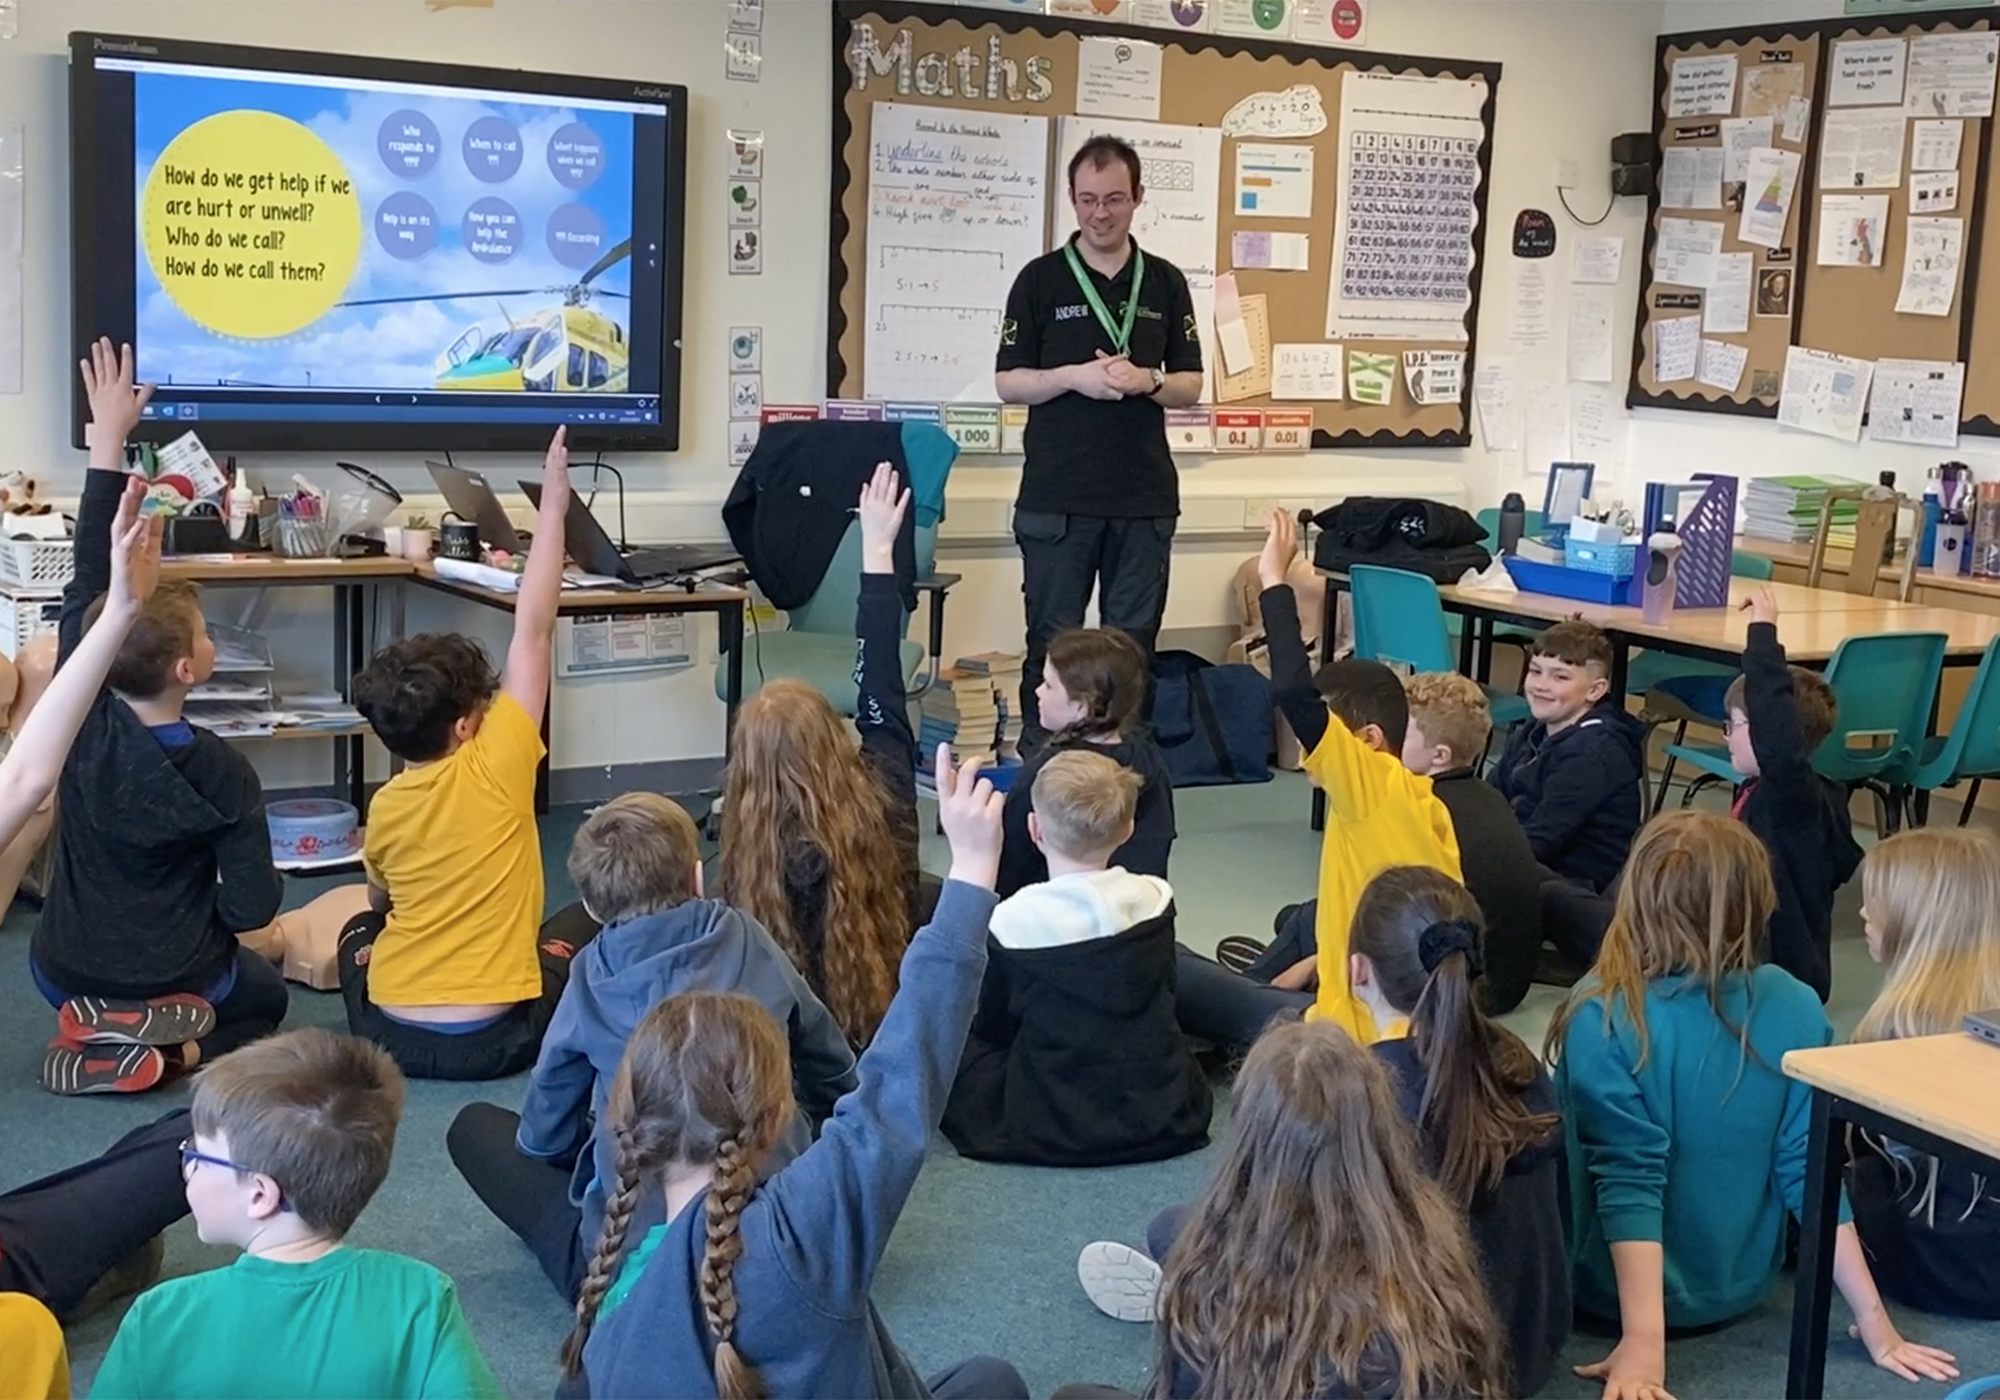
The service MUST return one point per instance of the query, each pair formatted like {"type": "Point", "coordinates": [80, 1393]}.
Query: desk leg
{"type": "Point", "coordinates": [1329, 631]}
{"type": "Point", "coordinates": [1805, 1376]}
{"type": "Point", "coordinates": [1620, 669]}
{"type": "Point", "coordinates": [729, 625]}
{"type": "Point", "coordinates": [349, 607]}
{"type": "Point", "coordinates": [542, 768]}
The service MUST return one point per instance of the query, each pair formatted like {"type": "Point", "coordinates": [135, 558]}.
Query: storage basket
{"type": "Point", "coordinates": [42, 566]}
{"type": "Point", "coordinates": [1559, 582]}
{"type": "Point", "coordinates": [1617, 560]}
{"type": "Point", "coordinates": [22, 619]}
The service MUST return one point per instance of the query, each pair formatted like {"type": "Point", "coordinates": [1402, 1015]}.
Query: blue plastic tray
{"type": "Point", "coordinates": [1558, 582]}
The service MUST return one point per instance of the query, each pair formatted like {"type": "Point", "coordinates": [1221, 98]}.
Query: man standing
{"type": "Point", "coordinates": [1099, 339]}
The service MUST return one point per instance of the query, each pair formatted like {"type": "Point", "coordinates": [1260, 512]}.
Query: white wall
{"type": "Point", "coordinates": [1576, 73]}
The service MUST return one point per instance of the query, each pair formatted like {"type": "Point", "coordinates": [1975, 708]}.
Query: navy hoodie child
{"type": "Point", "coordinates": [702, 945]}
{"type": "Point", "coordinates": [813, 1235]}
{"type": "Point", "coordinates": [1577, 791]}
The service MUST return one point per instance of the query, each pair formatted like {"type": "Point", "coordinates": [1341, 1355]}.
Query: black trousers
{"type": "Point", "coordinates": [59, 1235]}
{"type": "Point", "coordinates": [1064, 558]}
{"type": "Point", "coordinates": [506, 1047]}
{"type": "Point", "coordinates": [530, 1197]}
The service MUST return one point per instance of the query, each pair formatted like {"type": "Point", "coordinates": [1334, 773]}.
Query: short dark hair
{"type": "Point", "coordinates": [1361, 693]}
{"type": "Point", "coordinates": [1100, 151]}
{"type": "Point", "coordinates": [314, 1111]}
{"type": "Point", "coordinates": [1812, 697]}
{"type": "Point", "coordinates": [415, 690]}
{"type": "Point", "coordinates": [162, 636]}
{"type": "Point", "coordinates": [1576, 643]}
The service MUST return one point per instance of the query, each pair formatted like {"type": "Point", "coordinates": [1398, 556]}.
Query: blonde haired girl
{"type": "Point", "coordinates": [1930, 903]}
{"type": "Point", "coordinates": [1687, 1144]}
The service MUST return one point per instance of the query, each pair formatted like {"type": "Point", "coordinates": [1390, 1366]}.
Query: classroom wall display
{"type": "Point", "coordinates": [1821, 186]}
{"type": "Point", "coordinates": [952, 130]}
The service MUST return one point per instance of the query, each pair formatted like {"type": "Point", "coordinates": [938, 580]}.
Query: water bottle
{"type": "Point", "coordinates": [1927, 540]}
{"type": "Point", "coordinates": [1513, 521]}
{"type": "Point", "coordinates": [1888, 479]}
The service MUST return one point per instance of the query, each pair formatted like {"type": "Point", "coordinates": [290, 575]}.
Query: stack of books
{"type": "Point", "coordinates": [1002, 670]}
{"type": "Point", "coordinates": [960, 710]}
{"type": "Point", "coordinates": [1787, 508]}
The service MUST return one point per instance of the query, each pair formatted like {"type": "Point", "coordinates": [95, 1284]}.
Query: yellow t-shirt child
{"type": "Point", "coordinates": [1378, 814]}
{"type": "Point", "coordinates": [455, 844]}
{"type": "Point", "coordinates": [33, 1363]}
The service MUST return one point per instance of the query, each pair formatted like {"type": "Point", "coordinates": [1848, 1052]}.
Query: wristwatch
{"type": "Point", "coordinates": [1159, 381]}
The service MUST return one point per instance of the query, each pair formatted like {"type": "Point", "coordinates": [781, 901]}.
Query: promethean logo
{"type": "Point", "coordinates": [122, 46]}
{"type": "Point", "coordinates": [651, 92]}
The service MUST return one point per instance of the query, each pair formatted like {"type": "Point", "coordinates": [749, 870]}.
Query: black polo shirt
{"type": "Point", "coordinates": [1089, 456]}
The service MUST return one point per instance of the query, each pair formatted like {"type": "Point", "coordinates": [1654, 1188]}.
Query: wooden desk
{"type": "Point", "coordinates": [726, 603]}
{"type": "Point", "coordinates": [353, 582]}
{"type": "Point", "coordinates": [1938, 1094]}
{"type": "Point", "coordinates": [1951, 590]}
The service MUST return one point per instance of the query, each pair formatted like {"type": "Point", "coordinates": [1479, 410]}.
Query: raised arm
{"type": "Point", "coordinates": [35, 762]}
{"type": "Point", "coordinates": [883, 712]}
{"type": "Point", "coordinates": [1291, 672]}
{"type": "Point", "coordinates": [526, 676]}
{"type": "Point", "coordinates": [1769, 700]}
{"type": "Point", "coordinates": [115, 404]}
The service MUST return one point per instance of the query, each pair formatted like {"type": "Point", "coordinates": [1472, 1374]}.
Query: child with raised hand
{"type": "Point", "coordinates": [162, 852]}
{"type": "Point", "coordinates": [759, 1282]}
{"type": "Point", "coordinates": [1092, 691]}
{"type": "Point", "coordinates": [819, 841]}
{"type": "Point", "coordinates": [443, 971]}
{"type": "Point", "coordinates": [1930, 905]}
{"type": "Point", "coordinates": [292, 1138]}
{"type": "Point", "coordinates": [1686, 1142]}
{"type": "Point", "coordinates": [1322, 1259]}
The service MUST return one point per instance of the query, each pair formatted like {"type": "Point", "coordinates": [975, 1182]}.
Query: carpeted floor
{"type": "Point", "coordinates": [984, 1258]}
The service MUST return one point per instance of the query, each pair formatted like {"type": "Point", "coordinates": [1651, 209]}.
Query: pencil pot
{"type": "Point", "coordinates": [459, 539]}
{"type": "Point", "coordinates": [301, 538]}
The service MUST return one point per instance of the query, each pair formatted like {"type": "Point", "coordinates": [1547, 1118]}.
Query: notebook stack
{"type": "Point", "coordinates": [960, 710]}
{"type": "Point", "coordinates": [1002, 670]}
{"type": "Point", "coordinates": [1787, 508]}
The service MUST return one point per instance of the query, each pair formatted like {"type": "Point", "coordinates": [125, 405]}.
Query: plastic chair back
{"type": "Point", "coordinates": [1398, 619]}
{"type": "Point", "coordinates": [1751, 566]}
{"type": "Point", "coordinates": [830, 610]}
{"type": "Point", "coordinates": [1885, 685]}
{"type": "Point", "coordinates": [1973, 746]}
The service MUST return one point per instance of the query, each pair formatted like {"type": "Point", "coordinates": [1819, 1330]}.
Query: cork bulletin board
{"type": "Point", "coordinates": [1844, 309]}
{"type": "Point", "coordinates": [970, 61]}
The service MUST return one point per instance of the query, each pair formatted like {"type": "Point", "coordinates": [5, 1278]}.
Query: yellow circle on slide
{"type": "Point", "coordinates": [251, 223]}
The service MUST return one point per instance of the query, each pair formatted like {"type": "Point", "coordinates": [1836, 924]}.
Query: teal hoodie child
{"type": "Point", "coordinates": [1700, 1148]}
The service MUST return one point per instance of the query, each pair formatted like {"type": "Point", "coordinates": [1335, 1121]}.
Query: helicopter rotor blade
{"type": "Point", "coordinates": [617, 255]}
{"type": "Point", "coordinates": [450, 296]}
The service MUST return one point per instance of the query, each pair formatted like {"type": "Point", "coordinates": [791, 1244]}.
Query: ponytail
{"type": "Point", "coordinates": [735, 1180]}
{"type": "Point", "coordinates": [610, 1247]}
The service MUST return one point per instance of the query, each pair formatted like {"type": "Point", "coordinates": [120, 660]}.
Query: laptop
{"type": "Point", "coordinates": [1984, 1024]}
{"type": "Point", "coordinates": [470, 498]}
{"type": "Point", "coordinates": [592, 549]}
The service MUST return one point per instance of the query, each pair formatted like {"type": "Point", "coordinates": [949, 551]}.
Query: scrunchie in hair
{"type": "Point", "coordinates": [1448, 936]}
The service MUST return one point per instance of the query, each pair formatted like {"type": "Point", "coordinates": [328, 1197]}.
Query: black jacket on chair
{"type": "Point", "coordinates": [795, 498]}
{"type": "Point", "coordinates": [1076, 1057]}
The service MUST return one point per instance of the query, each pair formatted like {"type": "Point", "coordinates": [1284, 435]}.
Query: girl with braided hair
{"type": "Point", "coordinates": [759, 1286]}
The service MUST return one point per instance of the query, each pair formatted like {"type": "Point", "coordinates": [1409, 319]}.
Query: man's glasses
{"type": "Point", "coordinates": [1110, 203]}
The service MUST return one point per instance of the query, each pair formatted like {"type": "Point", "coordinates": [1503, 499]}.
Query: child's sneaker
{"type": "Point", "coordinates": [69, 1068]}
{"type": "Point", "coordinates": [1237, 953]}
{"type": "Point", "coordinates": [1121, 1280]}
{"type": "Point", "coordinates": [169, 1020]}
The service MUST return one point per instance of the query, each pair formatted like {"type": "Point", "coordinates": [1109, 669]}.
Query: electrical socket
{"type": "Point", "coordinates": [1568, 175]}
{"type": "Point", "coordinates": [1257, 509]}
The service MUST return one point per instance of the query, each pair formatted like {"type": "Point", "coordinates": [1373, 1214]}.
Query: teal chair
{"type": "Point", "coordinates": [1399, 621]}
{"type": "Point", "coordinates": [1971, 752]}
{"type": "Point", "coordinates": [1885, 685]}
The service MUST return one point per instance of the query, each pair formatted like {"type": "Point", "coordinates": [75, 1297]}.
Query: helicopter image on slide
{"type": "Point", "coordinates": [558, 349]}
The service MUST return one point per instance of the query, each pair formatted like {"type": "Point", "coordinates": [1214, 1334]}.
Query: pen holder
{"type": "Point", "coordinates": [303, 539]}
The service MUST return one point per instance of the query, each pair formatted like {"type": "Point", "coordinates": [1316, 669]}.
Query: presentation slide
{"type": "Point", "coordinates": [306, 233]}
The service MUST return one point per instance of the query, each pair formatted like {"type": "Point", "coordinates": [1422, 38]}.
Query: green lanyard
{"type": "Point", "coordinates": [1121, 334]}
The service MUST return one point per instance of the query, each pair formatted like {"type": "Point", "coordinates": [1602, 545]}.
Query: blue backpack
{"type": "Point", "coordinates": [1212, 723]}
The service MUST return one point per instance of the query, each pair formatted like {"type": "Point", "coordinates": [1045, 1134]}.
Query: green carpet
{"type": "Point", "coordinates": [984, 1258]}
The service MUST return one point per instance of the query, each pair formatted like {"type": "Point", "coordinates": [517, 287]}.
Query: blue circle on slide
{"type": "Point", "coordinates": [407, 141]}
{"type": "Point", "coordinates": [491, 230]}
{"type": "Point", "coordinates": [576, 235]}
{"type": "Point", "coordinates": [492, 150]}
{"type": "Point", "coordinates": [406, 225]}
{"type": "Point", "coordinates": [576, 156]}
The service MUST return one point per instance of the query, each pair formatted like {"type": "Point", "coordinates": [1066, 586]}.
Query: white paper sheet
{"type": "Point", "coordinates": [1591, 309]}
{"type": "Point", "coordinates": [1767, 87]}
{"type": "Point", "coordinates": [1933, 191]}
{"type": "Point", "coordinates": [1495, 392]}
{"type": "Point", "coordinates": [1797, 114]}
{"type": "Point", "coordinates": [1118, 78]}
{"type": "Point", "coordinates": [1934, 144]}
{"type": "Point", "coordinates": [1544, 425]}
{"type": "Point", "coordinates": [1532, 325]}
{"type": "Point", "coordinates": [1702, 86]}
{"type": "Point", "coordinates": [1932, 250]}
{"type": "Point", "coordinates": [1597, 429]}
{"type": "Point", "coordinates": [1434, 377]}
{"type": "Point", "coordinates": [12, 233]}
{"type": "Point", "coordinates": [1726, 308]}
{"type": "Point", "coordinates": [1951, 75]}
{"type": "Point", "coordinates": [1307, 371]}
{"type": "Point", "coordinates": [1850, 229]}
{"type": "Point", "coordinates": [1684, 254]}
{"type": "Point", "coordinates": [1866, 73]}
{"type": "Point", "coordinates": [1769, 182]}
{"type": "Point", "coordinates": [1824, 393]}
{"type": "Point", "coordinates": [1691, 177]}
{"type": "Point", "coordinates": [956, 206]}
{"type": "Point", "coordinates": [1232, 334]}
{"type": "Point", "coordinates": [1861, 150]}
{"type": "Point", "coordinates": [1676, 348]}
{"type": "Point", "coordinates": [1273, 180]}
{"type": "Point", "coordinates": [1596, 260]}
{"type": "Point", "coordinates": [1722, 365]}
{"type": "Point", "coordinates": [1277, 252]}
{"type": "Point", "coordinates": [1916, 401]}
{"type": "Point", "coordinates": [1741, 136]}
{"type": "Point", "coordinates": [1404, 212]}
